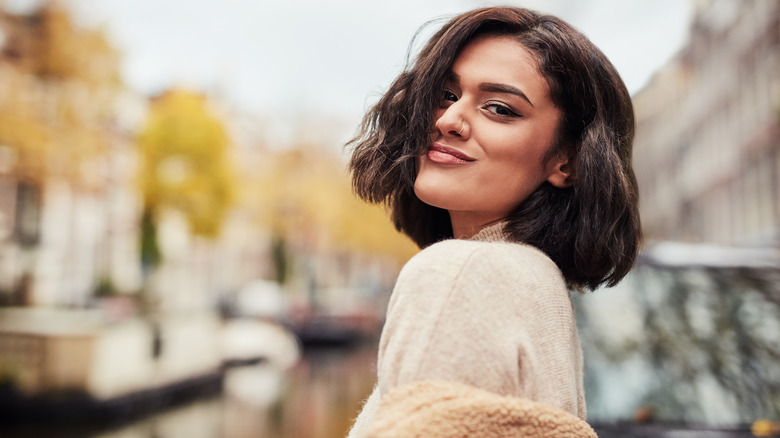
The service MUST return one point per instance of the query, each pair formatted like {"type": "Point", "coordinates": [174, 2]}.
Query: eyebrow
{"type": "Point", "coordinates": [492, 87]}
{"type": "Point", "coordinates": [503, 88]}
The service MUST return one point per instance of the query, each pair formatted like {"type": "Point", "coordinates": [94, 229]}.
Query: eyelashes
{"type": "Point", "coordinates": [448, 96]}
{"type": "Point", "coordinates": [497, 109]}
{"type": "Point", "coordinates": [500, 110]}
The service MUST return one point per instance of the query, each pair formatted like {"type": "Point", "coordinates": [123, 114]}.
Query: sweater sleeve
{"type": "Point", "coordinates": [495, 316]}
{"type": "Point", "coordinates": [366, 416]}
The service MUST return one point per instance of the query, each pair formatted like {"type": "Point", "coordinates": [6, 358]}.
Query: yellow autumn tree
{"type": "Point", "coordinates": [58, 83]}
{"type": "Point", "coordinates": [66, 51]}
{"type": "Point", "coordinates": [186, 163]}
{"type": "Point", "coordinates": [307, 190]}
{"type": "Point", "coordinates": [24, 134]}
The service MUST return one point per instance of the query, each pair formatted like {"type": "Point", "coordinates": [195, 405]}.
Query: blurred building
{"type": "Point", "coordinates": [707, 151]}
{"type": "Point", "coordinates": [70, 208]}
{"type": "Point", "coordinates": [67, 202]}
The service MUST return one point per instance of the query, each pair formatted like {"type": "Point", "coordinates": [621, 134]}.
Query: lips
{"type": "Point", "coordinates": [438, 153]}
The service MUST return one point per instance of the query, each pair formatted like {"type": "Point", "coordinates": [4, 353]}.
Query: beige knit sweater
{"type": "Point", "coordinates": [483, 312]}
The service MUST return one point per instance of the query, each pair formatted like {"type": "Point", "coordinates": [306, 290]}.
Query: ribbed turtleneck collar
{"type": "Point", "coordinates": [491, 233]}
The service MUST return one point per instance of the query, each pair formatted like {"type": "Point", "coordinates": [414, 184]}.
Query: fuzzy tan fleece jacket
{"type": "Point", "coordinates": [439, 409]}
{"type": "Point", "coordinates": [483, 312]}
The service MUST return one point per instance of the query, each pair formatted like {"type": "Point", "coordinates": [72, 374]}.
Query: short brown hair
{"type": "Point", "coordinates": [591, 230]}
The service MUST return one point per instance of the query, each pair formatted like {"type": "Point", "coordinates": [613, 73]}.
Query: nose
{"type": "Point", "coordinates": [451, 122]}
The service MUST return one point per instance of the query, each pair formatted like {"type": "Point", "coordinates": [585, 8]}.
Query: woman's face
{"type": "Point", "coordinates": [492, 131]}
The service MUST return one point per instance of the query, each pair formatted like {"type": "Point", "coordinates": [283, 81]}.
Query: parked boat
{"type": "Point", "coordinates": [73, 364]}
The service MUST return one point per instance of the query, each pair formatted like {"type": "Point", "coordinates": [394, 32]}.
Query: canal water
{"type": "Point", "coordinates": [672, 344]}
{"type": "Point", "coordinates": [317, 398]}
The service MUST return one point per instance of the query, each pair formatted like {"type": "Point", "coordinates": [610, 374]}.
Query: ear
{"type": "Point", "coordinates": [560, 173]}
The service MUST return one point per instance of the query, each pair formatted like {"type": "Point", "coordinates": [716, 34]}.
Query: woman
{"type": "Point", "coordinates": [504, 152]}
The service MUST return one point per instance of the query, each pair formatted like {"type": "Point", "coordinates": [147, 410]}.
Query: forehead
{"type": "Point", "coordinates": [500, 59]}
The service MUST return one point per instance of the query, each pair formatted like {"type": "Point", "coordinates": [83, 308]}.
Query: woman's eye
{"type": "Point", "coordinates": [448, 95]}
{"type": "Point", "coordinates": [500, 110]}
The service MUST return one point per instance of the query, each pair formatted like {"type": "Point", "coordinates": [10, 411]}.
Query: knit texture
{"type": "Point", "coordinates": [486, 313]}
{"type": "Point", "coordinates": [438, 409]}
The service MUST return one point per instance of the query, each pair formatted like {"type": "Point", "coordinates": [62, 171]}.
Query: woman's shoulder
{"type": "Point", "coordinates": [496, 263]}
{"type": "Point", "coordinates": [458, 253]}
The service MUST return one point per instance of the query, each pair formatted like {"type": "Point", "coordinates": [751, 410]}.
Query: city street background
{"type": "Point", "coordinates": [181, 253]}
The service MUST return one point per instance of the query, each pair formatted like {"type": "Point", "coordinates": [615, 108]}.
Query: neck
{"type": "Point", "coordinates": [466, 228]}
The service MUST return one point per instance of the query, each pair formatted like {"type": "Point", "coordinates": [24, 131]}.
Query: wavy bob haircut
{"type": "Point", "coordinates": [591, 229]}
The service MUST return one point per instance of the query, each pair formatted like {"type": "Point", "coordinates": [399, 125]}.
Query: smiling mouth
{"type": "Point", "coordinates": [441, 154]}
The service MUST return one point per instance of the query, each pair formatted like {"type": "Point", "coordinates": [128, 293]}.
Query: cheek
{"type": "Point", "coordinates": [517, 169]}
{"type": "Point", "coordinates": [523, 150]}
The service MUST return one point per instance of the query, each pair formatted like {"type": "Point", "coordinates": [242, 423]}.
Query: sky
{"type": "Point", "coordinates": [296, 60]}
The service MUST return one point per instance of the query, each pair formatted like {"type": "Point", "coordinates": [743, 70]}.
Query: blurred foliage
{"type": "Point", "coordinates": [72, 53]}
{"type": "Point", "coordinates": [732, 343]}
{"type": "Point", "coordinates": [305, 191]}
{"type": "Point", "coordinates": [186, 163]}
{"type": "Point", "coordinates": [57, 84]}
{"type": "Point", "coordinates": [105, 287]}
{"type": "Point", "coordinates": [24, 133]}
{"type": "Point", "coordinates": [702, 328]}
